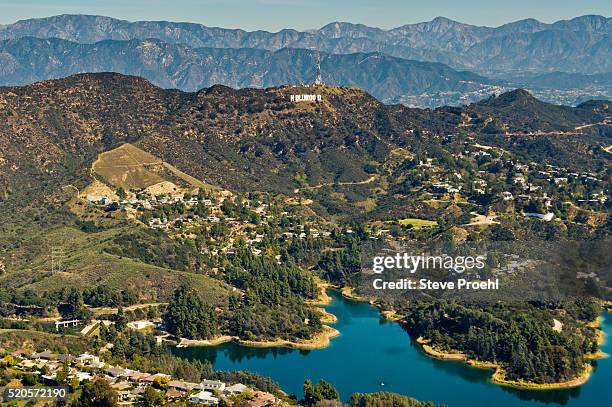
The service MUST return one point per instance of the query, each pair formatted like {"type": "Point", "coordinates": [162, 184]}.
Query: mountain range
{"type": "Point", "coordinates": [51, 132]}
{"type": "Point", "coordinates": [582, 44]}
{"type": "Point", "coordinates": [26, 60]}
{"type": "Point", "coordinates": [441, 62]}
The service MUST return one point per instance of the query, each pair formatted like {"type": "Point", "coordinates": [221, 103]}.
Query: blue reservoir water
{"type": "Point", "coordinates": [373, 354]}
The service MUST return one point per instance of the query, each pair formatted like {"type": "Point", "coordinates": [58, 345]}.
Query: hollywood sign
{"type": "Point", "coordinates": [305, 98]}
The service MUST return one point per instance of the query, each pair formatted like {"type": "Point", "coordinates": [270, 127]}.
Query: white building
{"type": "Point", "coordinates": [544, 216]}
{"type": "Point", "coordinates": [205, 397]}
{"type": "Point", "coordinates": [89, 359]}
{"type": "Point", "coordinates": [237, 388]}
{"type": "Point", "coordinates": [214, 385]}
{"type": "Point", "coordinates": [100, 200]}
{"type": "Point", "coordinates": [82, 376]}
{"type": "Point", "coordinates": [137, 325]}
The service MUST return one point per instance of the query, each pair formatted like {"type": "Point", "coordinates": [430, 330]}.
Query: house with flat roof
{"type": "Point", "coordinates": [237, 388]}
{"type": "Point", "coordinates": [213, 385]}
{"type": "Point", "coordinates": [45, 355]}
{"type": "Point", "coordinates": [184, 386]}
{"type": "Point", "coordinates": [115, 371]}
{"type": "Point", "coordinates": [151, 378]}
{"type": "Point", "coordinates": [205, 397]}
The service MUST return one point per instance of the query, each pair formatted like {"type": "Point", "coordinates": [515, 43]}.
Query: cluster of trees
{"type": "Point", "coordinates": [70, 302]}
{"type": "Point", "coordinates": [187, 316]}
{"type": "Point", "coordinates": [27, 298]}
{"type": "Point", "coordinates": [97, 393]}
{"type": "Point", "coordinates": [239, 210]}
{"type": "Point", "coordinates": [74, 306]}
{"type": "Point", "coordinates": [307, 251]}
{"type": "Point", "coordinates": [267, 282]}
{"type": "Point", "coordinates": [341, 264]}
{"type": "Point", "coordinates": [104, 296]}
{"type": "Point", "coordinates": [291, 320]}
{"type": "Point", "coordinates": [385, 399]}
{"type": "Point", "coordinates": [155, 247]}
{"type": "Point", "coordinates": [518, 337]}
{"type": "Point", "coordinates": [314, 393]}
{"type": "Point", "coordinates": [273, 305]}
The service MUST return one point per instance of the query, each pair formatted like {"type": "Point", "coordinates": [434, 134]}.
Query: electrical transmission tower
{"type": "Point", "coordinates": [57, 254]}
{"type": "Point", "coordinates": [319, 80]}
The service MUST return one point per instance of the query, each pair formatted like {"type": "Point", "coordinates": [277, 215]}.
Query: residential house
{"type": "Point", "coordinates": [205, 397]}
{"type": "Point", "coordinates": [212, 385]}
{"type": "Point", "coordinates": [184, 386]}
{"type": "Point", "coordinates": [135, 375]}
{"type": "Point", "coordinates": [45, 355]}
{"type": "Point", "coordinates": [65, 358]}
{"type": "Point", "coordinates": [173, 394]}
{"type": "Point", "coordinates": [115, 371]}
{"type": "Point", "coordinates": [82, 376]}
{"type": "Point", "coordinates": [237, 388]}
{"type": "Point", "coordinates": [121, 386]}
{"type": "Point", "coordinates": [151, 378]}
{"type": "Point", "coordinates": [263, 399]}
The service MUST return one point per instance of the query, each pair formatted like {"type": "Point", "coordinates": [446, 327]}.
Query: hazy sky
{"type": "Point", "coordinates": [273, 15]}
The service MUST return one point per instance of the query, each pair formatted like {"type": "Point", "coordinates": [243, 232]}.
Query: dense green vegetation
{"type": "Point", "coordinates": [104, 296]}
{"type": "Point", "coordinates": [519, 337]}
{"type": "Point", "coordinates": [74, 307]}
{"type": "Point", "coordinates": [98, 393]}
{"type": "Point", "coordinates": [189, 317]}
{"type": "Point", "coordinates": [314, 393]}
{"type": "Point", "coordinates": [154, 247]}
{"type": "Point", "coordinates": [267, 282]}
{"type": "Point", "coordinates": [384, 399]}
{"type": "Point", "coordinates": [272, 305]}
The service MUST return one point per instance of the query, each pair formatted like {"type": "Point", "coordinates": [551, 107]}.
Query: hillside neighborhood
{"type": "Point", "coordinates": [131, 386]}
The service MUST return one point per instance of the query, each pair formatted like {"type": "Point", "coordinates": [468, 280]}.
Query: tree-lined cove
{"type": "Point", "coordinates": [373, 354]}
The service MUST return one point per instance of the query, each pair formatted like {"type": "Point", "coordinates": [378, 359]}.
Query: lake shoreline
{"type": "Point", "coordinates": [349, 293]}
{"type": "Point", "coordinates": [319, 341]}
{"type": "Point", "coordinates": [498, 376]}
{"type": "Point", "coordinates": [323, 298]}
{"type": "Point", "coordinates": [386, 353]}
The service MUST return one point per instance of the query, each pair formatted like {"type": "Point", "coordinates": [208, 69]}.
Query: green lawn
{"type": "Point", "coordinates": [418, 223]}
